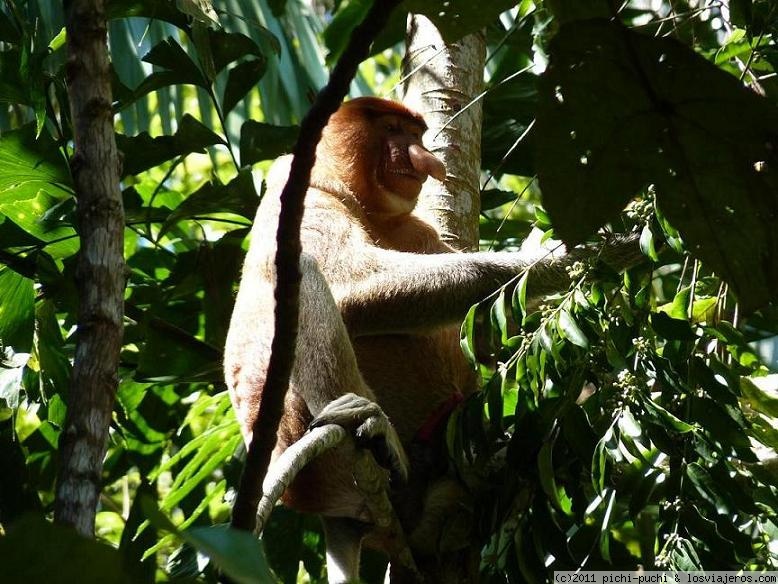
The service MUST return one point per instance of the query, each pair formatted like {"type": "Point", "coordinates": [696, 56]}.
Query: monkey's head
{"type": "Point", "coordinates": [372, 149]}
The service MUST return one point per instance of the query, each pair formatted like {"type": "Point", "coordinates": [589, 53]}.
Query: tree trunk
{"type": "Point", "coordinates": [441, 80]}
{"type": "Point", "coordinates": [100, 271]}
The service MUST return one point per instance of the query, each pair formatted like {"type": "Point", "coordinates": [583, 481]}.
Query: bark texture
{"type": "Point", "coordinates": [100, 272]}
{"type": "Point", "coordinates": [441, 80]}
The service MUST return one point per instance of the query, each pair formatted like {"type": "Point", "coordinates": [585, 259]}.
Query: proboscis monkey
{"type": "Point", "coordinates": [381, 301]}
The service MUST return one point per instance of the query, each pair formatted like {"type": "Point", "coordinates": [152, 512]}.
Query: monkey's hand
{"type": "Point", "coordinates": [371, 428]}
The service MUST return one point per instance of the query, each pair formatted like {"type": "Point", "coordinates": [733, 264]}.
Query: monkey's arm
{"type": "Point", "coordinates": [404, 292]}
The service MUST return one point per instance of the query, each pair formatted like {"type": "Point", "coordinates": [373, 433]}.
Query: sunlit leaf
{"type": "Point", "coordinates": [28, 163]}
{"type": "Point", "coordinates": [665, 418]}
{"type": "Point", "coordinates": [570, 330]}
{"type": "Point", "coordinates": [762, 394]}
{"type": "Point", "coordinates": [17, 315]}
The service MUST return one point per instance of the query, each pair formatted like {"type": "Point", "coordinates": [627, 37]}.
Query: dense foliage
{"type": "Point", "coordinates": [628, 421]}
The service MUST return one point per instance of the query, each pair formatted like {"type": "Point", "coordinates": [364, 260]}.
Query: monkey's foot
{"type": "Point", "coordinates": [371, 428]}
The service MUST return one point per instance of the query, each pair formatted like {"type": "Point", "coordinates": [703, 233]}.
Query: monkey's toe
{"type": "Point", "coordinates": [371, 429]}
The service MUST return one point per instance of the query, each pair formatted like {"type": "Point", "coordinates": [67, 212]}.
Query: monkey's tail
{"type": "Point", "coordinates": [370, 478]}
{"type": "Point", "coordinates": [286, 467]}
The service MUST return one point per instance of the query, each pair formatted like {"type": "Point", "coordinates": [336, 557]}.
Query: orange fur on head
{"type": "Point", "coordinates": [371, 149]}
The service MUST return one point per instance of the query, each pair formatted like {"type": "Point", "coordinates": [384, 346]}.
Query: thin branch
{"type": "Point", "coordinates": [287, 264]}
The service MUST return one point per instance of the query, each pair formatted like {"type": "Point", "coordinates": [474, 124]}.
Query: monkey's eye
{"type": "Point", "coordinates": [392, 128]}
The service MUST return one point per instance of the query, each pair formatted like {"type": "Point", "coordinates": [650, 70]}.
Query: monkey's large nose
{"type": "Point", "coordinates": [425, 162]}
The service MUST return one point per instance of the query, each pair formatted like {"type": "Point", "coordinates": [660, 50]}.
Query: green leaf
{"type": "Point", "coordinates": [152, 9]}
{"type": "Point", "coordinates": [646, 109]}
{"type": "Point", "coordinates": [569, 329]}
{"type": "Point", "coordinates": [133, 543]}
{"type": "Point", "coordinates": [17, 311]}
{"type": "Point", "coordinates": [168, 54]}
{"type": "Point", "coordinates": [493, 198]}
{"type": "Point", "coordinates": [762, 395]}
{"type": "Point", "coordinates": [238, 553]}
{"type": "Point", "coordinates": [457, 18]}
{"type": "Point", "coordinates": [647, 243]}
{"type": "Point", "coordinates": [240, 80]}
{"type": "Point", "coordinates": [718, 422]}
{"type": "Point", "coordinates": [641, 496]}
{"type": "Point", "coordinates": [212, 454]}
{"type": "Point", "coordinates": [498, 318]}
{"type": "Point", "coordinates": [665, 418]}
{"type": "Point", "coordinates": [228, 47]}
{"type": "Point", "coordinates": [239, 197]}
{"type": "Point", "coordinates": [646, 525]}
{"type": "Point", "coordinates": [672, 329]}
{"type": "Point", "coordinates": [260, 141]}
{"type": "Point", "coordinates": [54, 362]}
{"type": "Point", "coordinates": [28, 164]}
{"type": "Point", "coordinates": [168, 355]}
{"type": "Point", "coordinates": [8, 31]}
{"type": "Point", "coordinates": [467, 336]}
{"type": "Point", "coordinates": [46, 218]}
{"type": "Point", "coordinates": [555, 493]}
{"type": "Point", "coordinates": [706, 530]}
{"type": "Point", "coordinates": [605, 539]}
{"type": "Point", "coordinates": [143, 152]}
{"type": "Point", "coordinates": [12, 87]}
{"type": "Point", "coordinates": [349, 14]}
{"type": "Point", "coordinates": [11, 375]}
{"type": "Point", "coordinates": [200, 10]}
{"type": "Point", "coordinates": [35, 550]}
{"type": "Point", "coordinates": [179, 69]}
{"type": "Point", "coordinates": [707, 488]}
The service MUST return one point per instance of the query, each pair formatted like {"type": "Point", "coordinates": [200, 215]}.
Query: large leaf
{"type": "Point", "coordinates": [619, 110]}
{"type": "Point", "coordinates": [152, 9]}
{"type": "Point", "coordinates": [227, 47]}
{"type": "Point", "coordinates": [8, 31]}
{"type": "Point", "coordinates": [238, 196]}
{"type": "Point", "coordinates": [456, 18]}
{"type": "Point", "coordinates": [350, 13]}
{"type": "Point", "coordinates": [27, 163]}
{"type": "Point", "coordinates": [17, 314]}
{"type": "Point", "coordinates": [38, 551]}
{"type": "Point", "coordinates": [12, 89]}
{"type": "Point", "coordinates": [259, 141]}
{"type": "Point", "coordinates": [178, 68]}
{"type": "Point", "coordinates": [48, 219]}
{"type": "Point", "coordinates": [143, 152]}
{"type": "Point", "coordinates": [240, 80]}
{"type": "Point", "coordinates": [238, 553]}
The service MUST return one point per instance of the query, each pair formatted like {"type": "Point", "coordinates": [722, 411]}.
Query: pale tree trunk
{"type": "Point", "coordinates": [100, 271]}
{"type": "Point", "coordinates": [441, 80]}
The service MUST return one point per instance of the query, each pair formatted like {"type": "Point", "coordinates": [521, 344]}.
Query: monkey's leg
{"type": "Point", "coordinates": [327, 379]}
